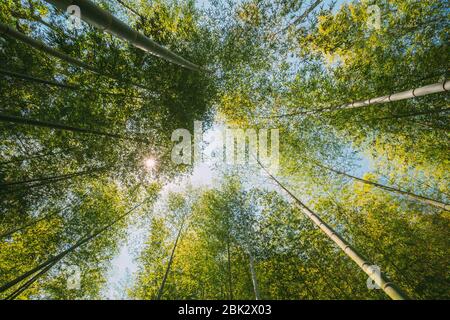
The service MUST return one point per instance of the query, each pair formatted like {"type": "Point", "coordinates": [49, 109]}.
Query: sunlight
{"type": "Point", "coordinates": [219, 150]}
{"type": "Point", "coordinates": [149, 163]}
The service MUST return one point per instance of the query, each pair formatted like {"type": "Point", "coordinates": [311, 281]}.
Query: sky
{"type": "Point", "coordinates": [123, 265]}
{"type": "Point", "coordinates": [205, 174]}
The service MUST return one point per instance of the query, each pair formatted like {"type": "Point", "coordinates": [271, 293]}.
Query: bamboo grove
{"type": "Point", "coordinates": [362, 110]}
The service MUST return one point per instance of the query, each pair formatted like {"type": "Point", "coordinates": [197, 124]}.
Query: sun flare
{"type": "Point", "coordinates": [149, 163]}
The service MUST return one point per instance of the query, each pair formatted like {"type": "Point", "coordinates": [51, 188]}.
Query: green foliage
{"type": "Point", "coordinates": [267, 69]}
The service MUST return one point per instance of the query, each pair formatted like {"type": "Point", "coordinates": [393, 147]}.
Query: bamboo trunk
{"type": "Point", "coordinates": [130, 9]}
{"type": "Point", "coordinates": [5, 29]}
{"type": "Point", "coordinates": [413, 93]}
{"type": "Point", "coordinates": [169, 264]}
{"type": "Point", "coordinates": [230, 282]}
{"type": "Point", "coordinates": [254, 279]}
{"type": "Point", "coordinates": [304, 15]}
{"type": "Point", "coordinates": [34, 156]}
{"type": "Point", "coordinates": [417, 92]}
{"type": "Point", "coordinates": [435, 203]}
{"type": "Point", "coordinates": [55, 259]}
{"type": "Point", "coordinates": [26, 188]}
{"type": "Point", "coordinates": [53, 125]}
{"type": "Point", "coordinates": [104, 21]}
{"type": "Point", "coordinates": [381, 280]}
{"type": "Point", "coordinates": [28, 283]}
{"type": "Point", "coordinates": [33, 222]}
{"type": "Point", "coordinates": [38, 80]}
{"type": "Point", "coordinates": [53, 178]}
{"type": "Point", "coordinates": [38, 45]}
{"type": "Point", "coordinates": [66, 86]}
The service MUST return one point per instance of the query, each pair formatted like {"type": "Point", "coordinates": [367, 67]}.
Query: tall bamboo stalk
{"type": "Point", "coordinates": [304, 15]}
{"type": "Point", "coordinates": [413, 93]}
{"type": "Point", "coordinates": [34, 156]}
{"type": "Point", "coordinates": [55, 259]}
{"type": "Point", "coordinates": [38, 45]}
{"type": "Point", "coordinates": [169, 264]}
{"type": "Point", "coordinates": [38, 80]}
{"type": "Point", "coordinates": [230, 275]}
{"type": "Point", "coordinates": [59, 126]}
{"type": "Point", "coordinates": [131, 9]}
{"type": "Point", "coordinates": [381, 280]}
{"type": "Point", "coordinates": [7, 30]}
{"type": "Point", "coordinates": [66, 86]}
{"type": "Point", "coordinates": [35, 221]}
{"type": "Point", "coordinates": [105, 21]}
{"type": "Point", "coordinates": [53, 178]}
{"type": "Point", "coordinates": [297, 20]}
{"type": "Point", "coordinates": [28, 283]}
{"type": "Point", "coordinates": [253, 274]}
{"type": "Point", "coordinates": [426, 200]}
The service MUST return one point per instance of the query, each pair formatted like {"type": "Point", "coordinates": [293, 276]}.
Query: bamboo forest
{"type": "Point", "coordinates": [224, 150]}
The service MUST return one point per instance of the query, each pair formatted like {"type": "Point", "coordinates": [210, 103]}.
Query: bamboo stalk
{"type": "Point", "coordinates": [28, 283]}
{"type": "Point", "coordinates": [38, 80]}
{"type": "Point", "coordinates": [254, 279]}
{"type": "Point", "coordinates": [381, 280]}
{"type": "Point", "coordinates": [53, 125]}
{"type": "Point", "coordinates": [169, 264]}
{"type": "Point", "coordinates": [53, 178]}
{"type": "Point", "coordinates": [66, 86]}
{"type": "Point", "coordinates": [53, 260]}
{"type": "Point", "coordinates": [5, 29]}
{"type": "Point", "coordinates": [40, 46]}
{"type": "Point", "coordinates": [413, 93]}
{"type": "Point", "coordinates": [105, 21]}
{"type": "Point", "coordinates": [34, 156]}
{"type": "Point", "coordinates": [130, 9]}
{"type": "Point", "coordinates": [417, 92]}
{"type": "Point", "coordinates": [35, 221]}
{"type": "Point", "coordinates": [426, 200]}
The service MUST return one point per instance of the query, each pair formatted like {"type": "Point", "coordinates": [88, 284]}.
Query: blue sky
{"type": "Point", "coordinates": [204, 174]}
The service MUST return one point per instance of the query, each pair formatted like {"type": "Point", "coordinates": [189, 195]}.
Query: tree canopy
{"type": "Point", "coordinates": [358, 91]}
